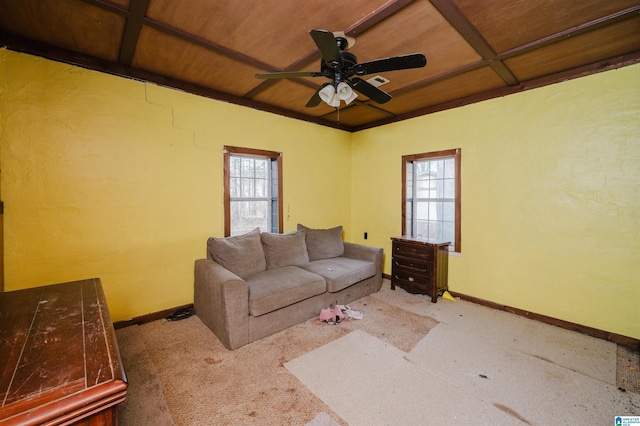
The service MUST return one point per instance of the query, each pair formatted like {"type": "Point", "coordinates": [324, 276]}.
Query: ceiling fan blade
{"type": "Point", "coordinates": [315, 99]}
{"type": "Point", "coordinates": [416, 60]}
{"type": "Point", "coordinates": [289, 74]}
{"type": "Point", "coordinates": [369, 90]}
{"type": "Point", "coordinates": [328, 47]}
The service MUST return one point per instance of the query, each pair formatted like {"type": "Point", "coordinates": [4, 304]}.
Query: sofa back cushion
{"type": "Point", "coordinates": [285, 249]}
{"type": "Point", "coordinates": [323, 243]}
{"type": "Point", "coordinates": [241, 254]}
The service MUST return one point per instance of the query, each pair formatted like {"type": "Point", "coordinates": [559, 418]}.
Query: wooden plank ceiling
{"type": "Point", "coordinates": [475, 50]}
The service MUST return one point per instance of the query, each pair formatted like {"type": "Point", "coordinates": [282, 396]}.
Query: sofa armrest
{"type": "Point", "coordinates": [221, 301]}
{"type": "Point", "coordinates": [362, 252]}
{"type": "Point", "coordinates": [368, 253]}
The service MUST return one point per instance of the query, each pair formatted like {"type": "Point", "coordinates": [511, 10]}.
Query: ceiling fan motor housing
{"type": "Point", "coordinates": [335, 71]}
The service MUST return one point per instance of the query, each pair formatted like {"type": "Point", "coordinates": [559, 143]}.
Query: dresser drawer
{"type": "Point", "coordinates": [413, 265]}
{"type": "Point", "coordinates": [413, 250]}
{"type": "Point", "coordinates": [410, 276]}
{"type": "Point", "coordinates": [411, 282]}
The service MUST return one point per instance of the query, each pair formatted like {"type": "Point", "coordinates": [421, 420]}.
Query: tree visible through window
{"type": "Point", "coordinates": [253, 190]}
{"type": "Point", "coordinates": [431, 196]}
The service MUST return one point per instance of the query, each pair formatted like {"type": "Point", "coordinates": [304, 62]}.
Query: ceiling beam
{"type": "Point", "coordinates": [448, 74]}
{"type": "Point", "coordinates": [377, 16]}
{"type": "Point", "coordinates": [460, 23]}
{"type": "Point", "coordinates": [207, 44]}
{"type": "Point", "coordinates": [109, 7]}
{"type": "Point", "coordinates": [137, 12]}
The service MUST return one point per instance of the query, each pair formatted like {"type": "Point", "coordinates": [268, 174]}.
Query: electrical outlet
{"type": "Point", "coordinates": [365, 235]}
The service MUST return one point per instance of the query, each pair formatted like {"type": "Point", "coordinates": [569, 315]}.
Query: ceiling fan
{"type": "Point", "coordinates": [342, 68]}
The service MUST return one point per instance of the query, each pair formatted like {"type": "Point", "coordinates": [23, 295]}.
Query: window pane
{"type": "Point", "coordinates": [449, 188]}
{"type": "Point", "coordinates": [422, 210]}
{"type": "Point", "coordinates": [448, 232]}
{"type": "Point", "coordinates": [234, 186]}
{"type": "Point", "coordinates": [422, 229]}
{"type": "Point", "coordinates": [424, 188]}
{"type": "Point", "coordinates": [246, 190]}
{"type": "Point", "coordinates": [437, 169]}
{"type": "Point", "coordinates": [247, 167]}
{"type": "Point", "coordinates": [435, 230]}
{"type": "Point", "coordinates": [261, 188]}
{"type": "Point", "coordinates": [437, 211]}
{"type": "Point", "coordinates": [261, 169]}
{"type": "Point", "coordinates": [247, 215]}
{"type": "Point", "coordinates": [449, 211]}
{"type": "Point", "coordinates": [234, 165]}
{"type": "Point", "coordinates": [439, 188]}
{"type": "Point", "coordinates": [450, 168]}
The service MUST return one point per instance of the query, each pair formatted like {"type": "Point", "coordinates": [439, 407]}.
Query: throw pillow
{"type": "Point", "coordinates": [323, 243]}
{"type": "Point", "coordinates": [285, 249]}
{"type": "Point", "coordinates": [241, 254]}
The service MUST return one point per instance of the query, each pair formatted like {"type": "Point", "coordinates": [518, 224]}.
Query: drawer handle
{"type": "Point", "coordinates": [411, 279]}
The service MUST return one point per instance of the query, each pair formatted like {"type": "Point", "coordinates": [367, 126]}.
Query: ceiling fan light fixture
{"type": "Point", "coordinates": [333, 95]}
{"type": "Point", "coordinates": [345, 92]}
{"type": "Point", "coordinates": [328, 95]}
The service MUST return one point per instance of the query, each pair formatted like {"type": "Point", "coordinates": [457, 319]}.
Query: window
{"type": "Point", "coordinates": [252, 190]}
{"type": "Point", "coordinates": [431, 196]}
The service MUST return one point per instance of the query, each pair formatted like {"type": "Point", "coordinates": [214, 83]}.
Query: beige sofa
{"type": "Point", "coordinates": [256, 284]}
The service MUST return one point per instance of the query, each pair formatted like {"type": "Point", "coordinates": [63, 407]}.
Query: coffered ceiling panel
{"type": "Point", "coordinates": [70, 24]}
{"type": "Point", "coordinates": [475, 50]}
{"type": "Point", "coordinates": [191, 62]}
{"type": "Point", "coordinates": [507, 24]}
{"type": "Point", "coordinates": [446, 90]}
{"type": "Point", "coordinates": [612, 40]}
{"type": "Point", "coordinates": [357, 115]}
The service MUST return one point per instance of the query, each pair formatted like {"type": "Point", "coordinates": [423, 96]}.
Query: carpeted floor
{"type": "Point", "coordinates": [180, 374]}
{"type": "Point", "coordinates": [203, 383]}
{"type": "Point", "coordinates": [477, 366]}
{"type": "Point", "coordinates": [145, 404]}
{"type": "Point", "coordinates": [628, 369]}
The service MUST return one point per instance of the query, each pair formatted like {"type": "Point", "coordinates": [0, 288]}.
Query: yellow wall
{"type": "Point", "coordinates": [550, 196]}
{"type": "Point", "coordinates": [110, 177]}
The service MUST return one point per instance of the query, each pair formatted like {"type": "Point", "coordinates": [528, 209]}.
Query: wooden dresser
{"type": "Point", "coordinates": [59, 359]}
{"type": "Point", "coordinates": [420, 266]}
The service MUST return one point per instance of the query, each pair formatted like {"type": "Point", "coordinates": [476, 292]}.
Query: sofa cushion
{"type": "Point", "coordinates": [276, 288]}
{"type": "Point", "coordinates": [285, 249]}
{"type": "Point", "coordinates": [323, 243]}
{"type": "Point", "coordinates": [341, 272]}
{"type": "Point", "coordinates": [241, 254]}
